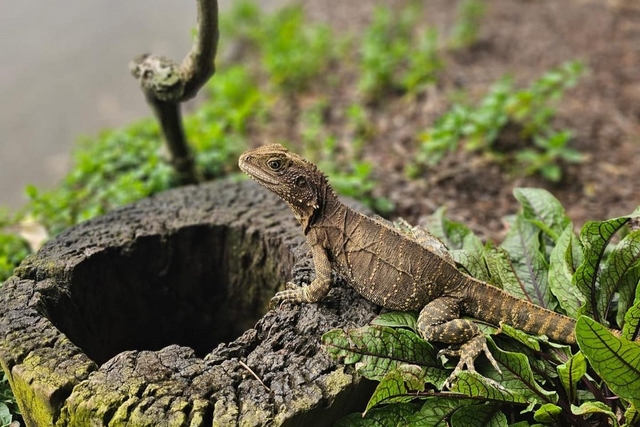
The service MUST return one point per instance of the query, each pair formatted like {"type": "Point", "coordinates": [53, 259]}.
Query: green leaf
{"type": "Point", "coordinates": [397, 384]}
{"type": "Point", "coordinates": [397, 319]}
{"type": "Point", "coordinates": [501, 271]}
{"type": "Point", "coordinates": [631, 328]}
{"type": "Point", "coordinates": [528, 263]}
{"type": "Point", "coordinates": [595, 408]}
{"type": "Point", "coordinates": [517, 376]}
{"type": "Point", "coordinates": [631, 416]}
{"type": "Point", "coordinates": [547, 413]}
{"type": "Point", "coordinates": [479, 416]}
{"type": "Point", "coordinates": [473, 384]}
{"type": "Point", "coordinates": [595, 236]}
{"type": "Point", "coordinates": [473, 263]}
{"type": "Point", "coordinates": [621, 274]}
{"type": "Point", "coordinates": [521, 336]}
{"type": "Point", "coordinates": [453, 234]}
{"type": "Point", "coordinates": [435, 411]}
{"type": "Point", "coordinates": [561, 270]}
{"type": "Point", "coordinates": [399, 414]}
{"type": "Point", "coordinates": [545, 211]}
{"type": "Point", "coordinates": [5, 415]}
{"type": "Point", "coordinates": [570, 374]}
{"type": "Point", "coordinates": [376, 350]}
{"type": "Point", "coordinates": [615, 359]}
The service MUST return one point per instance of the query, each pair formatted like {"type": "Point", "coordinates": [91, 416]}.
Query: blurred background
{"type": "Point", "coordinates": [64, 73]}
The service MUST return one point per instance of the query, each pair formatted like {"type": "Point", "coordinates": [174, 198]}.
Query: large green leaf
{"type": "Point", "coordinates": [548, 413]}
{"type": "Point", "coordinates": [615, 359]}
{"type": "Point", "coordinates": [631, 329]}
{"type": "Point", "coordinates": [545, 211]}
{"type": "Point", "coordinates": [595, 408]}
{"type": "Point", "coordinates": [502, 272]}
{"type": "Point", "coordinates": [528, 262]}
{"type": "Point", "coordinates": [454, 235]}
{"type": "Point", "coordinates": [396, 385]}
{"type": "Point", "coordinates": [595, 236]}
{"type": "Point", "coordinates": [376, 350]}
{"type": "Point", "coordinates": [473, 384]}
{"type": "Point", "coordinates": [397, 319]}
{"type": "Point", "coordinates": [620, 274]}
{"type": "Point", "coordinates": [479, 416]}
{"type": "Point", "coordinates": [472, 263]}
{"type": "Point", "coordinates": [623, 270]}
{"type": "Point", "coordinates": [396, 415]}
{"type": "Point", "coordinates": [561, 270]}
{"type": "Point", "coordinates": [517, 376]}
{"type": "Point", "coordinates": [435, 411]}
{"type": "Point", "coordinates": [570, 373]}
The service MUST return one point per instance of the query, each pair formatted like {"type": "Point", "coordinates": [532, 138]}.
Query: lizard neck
{"type": "Point", "coordinates": [328, 207]}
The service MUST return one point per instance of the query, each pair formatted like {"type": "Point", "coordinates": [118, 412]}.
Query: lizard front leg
{"type": "Point", "coordinates": [316, 290]}
{"type": "Point", "coordinates": [440, 321]}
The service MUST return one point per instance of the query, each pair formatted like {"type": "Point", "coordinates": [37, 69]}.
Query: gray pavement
{"type": "Point", "coordinates": [64, 73]}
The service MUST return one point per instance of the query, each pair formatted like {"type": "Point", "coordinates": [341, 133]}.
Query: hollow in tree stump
{"type": "Point", "coordinates": [156, 314]}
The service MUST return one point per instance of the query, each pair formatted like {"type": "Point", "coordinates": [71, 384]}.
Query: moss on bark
{"type": "Point", "coordinates": [156, 313]}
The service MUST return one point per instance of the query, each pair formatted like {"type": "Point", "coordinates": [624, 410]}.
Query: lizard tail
{"type": "Point", "coordinates": [494, 305]}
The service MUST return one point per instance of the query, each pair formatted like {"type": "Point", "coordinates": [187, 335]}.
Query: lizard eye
{"type": "Point", "coordinates": [274, 163]}
{"type": "Point", "coordinates": [301, 181]}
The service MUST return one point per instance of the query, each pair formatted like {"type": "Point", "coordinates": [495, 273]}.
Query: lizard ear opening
{"type": "Point", "coordinates": [301, 181]}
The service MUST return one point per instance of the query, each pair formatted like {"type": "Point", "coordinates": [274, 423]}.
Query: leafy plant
{"type": "Point", "coordinates": [118, 167]}
{"type": "Point", "coordinates": [13, 249]}
{"type": "Point", "coordinates": [392, 58]}
{"type": "Point", "coordinates": [529, 110]}
{"type": "Point", "coordinates": [544, 261]}
{"type": "Point", "coordinates": [293, 52]}
{"type": "Point", "coordinates": [8, 406]}
{"type": "Point", "coordinates": [467, 27]}
{"type": "Point", "coordinates": [349, 174]}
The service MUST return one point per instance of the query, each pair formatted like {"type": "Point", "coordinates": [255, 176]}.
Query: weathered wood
{"type": "Point", "coordinates": [147, 316]}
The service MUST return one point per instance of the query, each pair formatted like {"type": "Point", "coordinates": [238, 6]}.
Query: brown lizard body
{"type": "Point", "coordinates": [392, 268]}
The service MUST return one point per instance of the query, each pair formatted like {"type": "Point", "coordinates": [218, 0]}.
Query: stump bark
{"type": "Point", "coordinates": [157, 314]}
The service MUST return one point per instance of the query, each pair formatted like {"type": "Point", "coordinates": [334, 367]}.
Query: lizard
{"type": "Point", "coordinates": [391, 266]}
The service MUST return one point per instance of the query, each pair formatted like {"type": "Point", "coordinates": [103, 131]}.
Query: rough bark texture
{"type": "Point", "coordinates": [146, 316]}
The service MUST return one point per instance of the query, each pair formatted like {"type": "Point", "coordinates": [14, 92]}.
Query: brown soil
{"type": "Point", "coordinates": [525, 39]}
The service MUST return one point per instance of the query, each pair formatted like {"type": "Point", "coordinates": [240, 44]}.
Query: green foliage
{"type": "Point", "coordinates": [616, 360]}
{"type": "Point", "coordinates": [465, 32]}
{"type": "Point", "coordinates": [295, 53]}
{"type": "Point", "coordinates": [393, 58]}
{"type": "Point", "coordinates": [542, 381]}
{"type": "Point", "coordinates": [13, 249]}
{"type": "Point", "coordinates": [292, 52]}
{"type": "Point", "coordinates": [217, 130]}
{"type": "Point", "coordinates": [8, 406]}
{"type": "Point", "coordinates": [529, 110]}
{"type": "Point", "coordinates": [117, 167]}
{"type": "Point", "coordinates": [348, 172]}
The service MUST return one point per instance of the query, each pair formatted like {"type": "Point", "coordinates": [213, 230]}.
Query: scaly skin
{"type": "Point", "coordinates": [392, 267]}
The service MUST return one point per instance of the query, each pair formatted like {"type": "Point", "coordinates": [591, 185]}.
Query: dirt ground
{"type": "Point", "coordinates": [524, 38]}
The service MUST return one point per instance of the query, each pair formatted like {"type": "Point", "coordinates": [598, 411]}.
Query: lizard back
{"type": "Point", "coordinates": [382, 264]}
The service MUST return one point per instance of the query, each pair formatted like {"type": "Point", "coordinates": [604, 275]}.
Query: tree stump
{"type": "Point", "coordinates": [157, 314]}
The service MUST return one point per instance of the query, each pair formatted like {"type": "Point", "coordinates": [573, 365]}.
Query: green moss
{"type": "Point", "coordinates": [39, 392]}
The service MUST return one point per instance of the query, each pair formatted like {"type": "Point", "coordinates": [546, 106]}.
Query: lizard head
{"type": "Point", "coordinates": [294, 179]}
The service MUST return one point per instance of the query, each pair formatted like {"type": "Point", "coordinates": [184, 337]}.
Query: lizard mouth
{"type": "Point", "coordinates": [255, 172]}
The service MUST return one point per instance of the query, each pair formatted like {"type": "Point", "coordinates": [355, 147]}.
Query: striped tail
{"type": "Point", "coordinates": [493, 305]}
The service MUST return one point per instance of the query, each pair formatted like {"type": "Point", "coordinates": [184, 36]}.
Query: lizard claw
{"type": "Point", "coordinates": [295, 295]}
{"type": "Point", "coordinates": [467, 353]}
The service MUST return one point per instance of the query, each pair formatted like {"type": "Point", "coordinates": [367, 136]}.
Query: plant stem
{"type": "Point", "coordinates": [166, 84]}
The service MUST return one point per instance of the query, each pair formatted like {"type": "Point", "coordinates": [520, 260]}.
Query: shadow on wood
{"type": "Point", "coordinates": [148, 314]}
